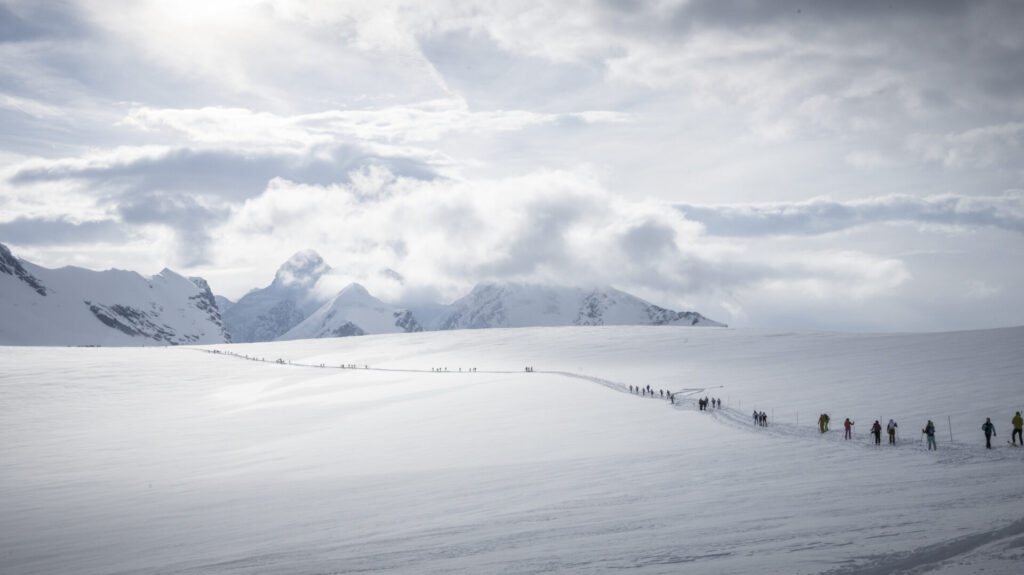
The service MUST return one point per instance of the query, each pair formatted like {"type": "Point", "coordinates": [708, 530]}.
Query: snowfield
{"type": "Point", "coordinates": [197, 460]}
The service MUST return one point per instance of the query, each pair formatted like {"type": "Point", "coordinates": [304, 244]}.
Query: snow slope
{"type": "Point", "coordinates": [76, 306]}
{"type": "Point", "coordinates": [182, 460]}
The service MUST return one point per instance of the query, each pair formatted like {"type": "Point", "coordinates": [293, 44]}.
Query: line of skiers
{"type": "Point", "coordinates": [648, 390]}
{"type": "Point", "coordinates": [760, 418]}
{"type": "Point", "coordinates": [988, 428]}
{"type": "Point", "coordinates": [703, 403]}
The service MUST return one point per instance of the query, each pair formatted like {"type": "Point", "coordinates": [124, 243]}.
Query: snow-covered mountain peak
{"type": "Point", "coordinates": [355, 293]}
{"type": "Point", "coordinates": [77, 306]}
{"type": "Point", "coordinates": [302, 269]}
{"type": "Point", "coordinates": [494, 304]}
{"type": "Point", "coordinates": [353, 311]}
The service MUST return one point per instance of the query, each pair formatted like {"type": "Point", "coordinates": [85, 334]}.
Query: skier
{"type": "Point", "coordinates": [821, 423]}
{"type": "Point", "coordinates": [1018, 424]}
{"type": "Point", "coordinates": [876, 429]}
{"type": "Point", "coordinates": [989, 430]}
{"type": "Point", "coordinates": [757, 417]}
{"type": "Point", "coordinates": [929, 430]}
{"type": "Point", "coordinates": [891, 428]}
{"type": "Point", "coordinates": [847, 425]}
{"type": "Point", "coordinates": [827, 419]}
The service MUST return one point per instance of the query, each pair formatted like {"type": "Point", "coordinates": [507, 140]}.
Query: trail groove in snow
{"type": "Point", "coordinates": [935, 557]}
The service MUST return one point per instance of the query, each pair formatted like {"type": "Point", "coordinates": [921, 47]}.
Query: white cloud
{"type": "Point", "coordinates": [553, 227]}
{"type": "Point", "coordinates": [825, 216]}
{"type": "Point", "coordinates": [981, 147]}
{"type": "Point", "coordinates": [423, 122]}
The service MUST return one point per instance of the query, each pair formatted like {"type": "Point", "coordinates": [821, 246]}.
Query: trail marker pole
{"type": "Point", "coordinates": [949, 419]}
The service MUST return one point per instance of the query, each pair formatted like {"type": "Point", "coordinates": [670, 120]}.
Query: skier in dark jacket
{"type": "Point", "coordinates": [876, 429]}
{"type": "Point", "coordinates": [989, 430]}
{"type": "Point", "coordinates": [929, 430]}
{"type": "Point", "coordinates": [1018, 425]}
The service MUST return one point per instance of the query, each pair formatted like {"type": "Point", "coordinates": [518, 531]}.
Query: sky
{"type": "Point", "coordinates": [850, 166]}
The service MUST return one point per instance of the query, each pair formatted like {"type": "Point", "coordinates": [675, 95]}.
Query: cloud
{"type": "Point", "coordinates": [423, 122]}
{"type": "Point", "coordinates": [982, 147]}
{"type": "Point", "coordinates": [549, 227]}
{"type": "Point", "coordinates": [224, 172]}
{"type": "Point", "coordinates": [39, 231]}
{"type": "Point", "coordinates": [823, 216]}
{"type": "Point", "coordinates": [191, 218]}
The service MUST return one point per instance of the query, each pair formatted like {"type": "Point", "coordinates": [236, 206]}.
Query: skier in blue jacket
{"type": "Point", "coordinates": [989, 430]}
{"type": "Point", "coordinates": [929, 430]}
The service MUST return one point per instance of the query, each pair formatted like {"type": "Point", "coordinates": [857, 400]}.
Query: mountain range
{"type": "Point", "coordinates": [75, 306]}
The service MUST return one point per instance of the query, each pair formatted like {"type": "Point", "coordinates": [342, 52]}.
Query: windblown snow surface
{"type": "Point", "coordinates": [180, 460]}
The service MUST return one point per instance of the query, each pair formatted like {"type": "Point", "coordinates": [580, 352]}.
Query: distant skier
{"type": "Point", "coordinates": [891, 428]}
{"type": "Point", "coordinates": [821, 423]}
{"type": "Point", "coordinates": [929, 430]}
{"type": "Point", "coordinates": [989, 430]}
{"type": "Point", "coordinates": [847, 425]}
{"type": "Point", "coordinates": [876, 430]}
{"type": "Point", "coordinates": [1018, 424]}
{"type": "Point", "coordinates": [757, 418]}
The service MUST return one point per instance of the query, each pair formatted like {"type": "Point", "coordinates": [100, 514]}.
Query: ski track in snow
{"type": "Point", "coordinates": [952, 452]}
{"type": "Point", "coordinates": [1000, 546]}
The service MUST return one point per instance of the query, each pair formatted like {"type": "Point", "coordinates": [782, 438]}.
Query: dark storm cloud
{"type": "Point", "coordinates": [38, 231]}
{"type": "Point", "coordinates": [743, 13]}
{"type": "Point", "coordinates": [33, 21]}
{"type": "Point", "coordinates": [823, 216]}
{"type": "Point", "coordinates": [229, 174]}
{"type": "Point", "coordinates": [189, 217]}
{"type": "Point", "coordinates": [649, 240]}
